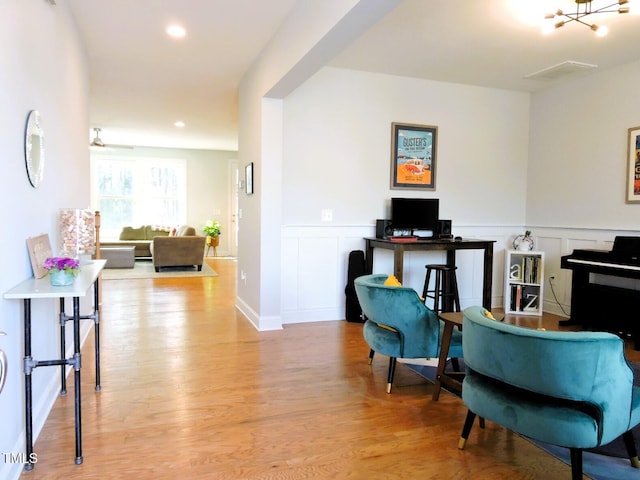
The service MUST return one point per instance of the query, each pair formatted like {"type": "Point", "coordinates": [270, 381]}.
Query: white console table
{"type": "Point", "coordinates": [33, 289]}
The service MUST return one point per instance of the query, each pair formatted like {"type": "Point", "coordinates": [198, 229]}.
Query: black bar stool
{"type": "Point", "coordinates": [445, 290]}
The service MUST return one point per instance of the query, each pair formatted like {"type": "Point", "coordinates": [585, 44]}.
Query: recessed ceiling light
{"type": "Point", "coordinates": [179, 124]}
{"type": "Point", "coordinates": [176, 31]}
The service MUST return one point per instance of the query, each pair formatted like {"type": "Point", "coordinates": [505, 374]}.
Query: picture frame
{"type": "Point", "coordinates": [413, 156]}
{"type": "Point", "coordinates": [39, 249]}
{"type": "Point", "coordinates": [248, 179]}
{"type": "Point", "coordinates": [633, 165]}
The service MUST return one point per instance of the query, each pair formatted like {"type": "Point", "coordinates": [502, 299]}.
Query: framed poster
{"type": "Point", "coordinates": [633, 166]}
{"type": "Point", "coordinates": [413, 156]}
{"type": "Point", "coordinates": [248, 179]}
{"type": "Point", "coordinates": [39, 250]}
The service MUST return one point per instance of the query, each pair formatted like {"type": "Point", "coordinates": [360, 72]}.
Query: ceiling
{"type": "Point", "coordinates": [142, 81]}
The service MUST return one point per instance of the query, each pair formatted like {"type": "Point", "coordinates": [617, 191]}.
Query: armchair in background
{"type": "Point", "coordinates": [570, 389]}
{"type": "Point", "coordinates": [399, 324]}
{"type": "Point", "coordinates": [185, 248]}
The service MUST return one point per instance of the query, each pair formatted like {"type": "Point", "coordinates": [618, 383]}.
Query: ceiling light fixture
{"type": "Point", "coordinates": [583, 9]}
{"type": "Point", "coordinates": [176, 31]}
{"type": "Point", "coordinates": [179, 124]}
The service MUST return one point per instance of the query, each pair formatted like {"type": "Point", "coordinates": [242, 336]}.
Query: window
{"type": "Point", "coordinates": [138, 191]}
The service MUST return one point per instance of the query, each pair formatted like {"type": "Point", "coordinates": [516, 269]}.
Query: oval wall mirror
{"type": "Point", "coordinates": [3, 367]}
{"type": "Point", "coordinates": [34, 149]}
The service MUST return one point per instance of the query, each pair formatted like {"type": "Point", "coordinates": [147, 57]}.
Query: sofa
{"type": "Point", "coordinates": [140, 238]}
{"type": "Point", "coordinates": [184, 248]}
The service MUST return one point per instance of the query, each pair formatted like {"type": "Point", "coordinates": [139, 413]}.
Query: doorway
{"type": "Point", "coordinates": [235, 185]}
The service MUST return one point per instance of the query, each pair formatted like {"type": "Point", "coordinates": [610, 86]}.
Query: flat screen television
{"type": "Point", "coordinates": [415, 214]}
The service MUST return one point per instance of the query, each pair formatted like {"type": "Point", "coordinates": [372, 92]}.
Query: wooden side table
{"type": "Point", "coordinates": [451, 379]}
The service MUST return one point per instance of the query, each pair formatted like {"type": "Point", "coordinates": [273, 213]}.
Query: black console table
{"type": "Point", "coordinates": [448, 245]}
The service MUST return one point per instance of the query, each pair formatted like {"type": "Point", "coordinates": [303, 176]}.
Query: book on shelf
{"type": "Point", "coordinates": [516, 298]}
{"type": "Point", "coordinates": [524, 298]}
{"type": "Point", "coordinates": [525, 270]}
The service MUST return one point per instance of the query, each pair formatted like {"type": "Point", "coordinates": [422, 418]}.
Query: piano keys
{"type": "Point", "coordinates": [597, 306]}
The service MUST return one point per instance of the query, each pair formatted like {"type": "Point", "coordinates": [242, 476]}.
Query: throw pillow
{"type": "Point", "coordinates": [392, 281]}
{"type": "Point", "coordinates": [130, 233]}
{"type": "Point", "coordinates": [488, 314]}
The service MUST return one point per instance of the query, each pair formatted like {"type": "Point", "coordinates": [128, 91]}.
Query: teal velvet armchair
{"type": "Point", "coordinates": [398, 324]}
{"type": "Point", "coordinates": [570, 389]}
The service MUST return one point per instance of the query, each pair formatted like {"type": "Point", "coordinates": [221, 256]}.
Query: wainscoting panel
{"type": "Point", "coordinates": [559, 287]}
{"type": "Point", "coordinates": [290, 261]}
{"type": "Point", "coordinates": [314, 268]}
{"type": "Point", "coordinates": [315, 261]}
{"type": "Point", "coordinates": [320, 254]}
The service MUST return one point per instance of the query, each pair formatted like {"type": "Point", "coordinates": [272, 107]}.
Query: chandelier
{"type": "Point", "coordinates": [584, 8]}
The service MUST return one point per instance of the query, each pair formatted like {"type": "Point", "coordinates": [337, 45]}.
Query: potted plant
{"type": "Point", "coordinates": [212, 230]}
{"type": "Point", "coordinates": [62, 270]}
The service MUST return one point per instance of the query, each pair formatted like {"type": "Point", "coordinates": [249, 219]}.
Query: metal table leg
{"type": "Point", "coordinates": [28, 399]}
{"type": "Point", "coordinates": [77, 365]}
{"type": "Point", "coordinates": [63, 348]}
{"type": "Point", "coordinates": [96, 321]}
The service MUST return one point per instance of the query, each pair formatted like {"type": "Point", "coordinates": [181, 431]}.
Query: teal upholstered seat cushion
{"type": "Point", "coordinates": [558, 423]}
{"type": "Point", "coordinates": [573, 389]}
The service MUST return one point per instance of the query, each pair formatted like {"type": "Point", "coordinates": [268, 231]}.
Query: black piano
{"type": "Point", "coordinates": [604, 307]}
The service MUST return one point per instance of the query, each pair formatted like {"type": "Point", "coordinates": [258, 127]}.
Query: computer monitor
{"type": "Point", "coordinates": [415, 214]}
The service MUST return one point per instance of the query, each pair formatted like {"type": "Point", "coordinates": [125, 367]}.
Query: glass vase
{"type": "Point", "coordinates": [61, 278]}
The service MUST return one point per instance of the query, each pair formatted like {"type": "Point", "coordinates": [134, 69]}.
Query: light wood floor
{"type": "Point", "coordinates": [190, 390]}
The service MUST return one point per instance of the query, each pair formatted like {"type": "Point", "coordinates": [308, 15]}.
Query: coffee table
{"type": "Point", "coordinates": [118, 257]}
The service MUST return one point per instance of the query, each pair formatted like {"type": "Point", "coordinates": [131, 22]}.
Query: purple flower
{"type": "Point", "coordinates": [55, 264]}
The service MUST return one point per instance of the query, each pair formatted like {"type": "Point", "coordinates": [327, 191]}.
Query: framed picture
{"type": "Point", "coordinates": [633, 166]}
{"type": "Point", "coordinates": [413, 156]}
{"type": "Point", "coordinates": [248, 179]}
{"type": "Point", "coordinates": [39, 250]}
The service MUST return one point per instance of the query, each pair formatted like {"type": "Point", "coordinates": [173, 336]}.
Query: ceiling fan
{"type": "Point", "coordinates": [97, 142]}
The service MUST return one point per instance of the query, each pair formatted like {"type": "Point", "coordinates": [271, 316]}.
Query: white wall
{"type": "Point", "coordinates": [337, 131]}
{"type": "Point", "coordinates": [313, 33]}
{"type": "Point", "coordinates": [209, 185]}
{"type": "Point", "coordinates": [557, 167]}
{"type": "Point", "coordinates": [44, 68]}
{"type": "Point", "coordinates": [337, 148]}
{"type": "Point", "coordinates": [578, 152]}
{"type": "Point", "coordinates": [576, 179]}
